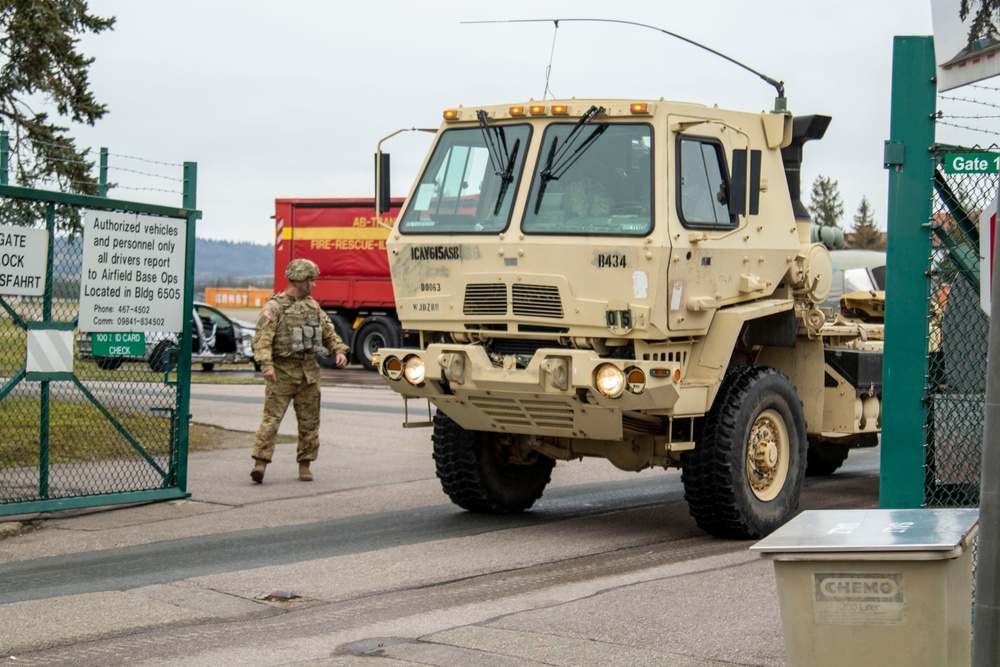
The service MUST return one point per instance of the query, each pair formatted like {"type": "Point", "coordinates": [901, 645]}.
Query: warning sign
{"type": "Point", "coordinates": [133, 272]}
{"type": "Point", "coordinates": [23, 252]}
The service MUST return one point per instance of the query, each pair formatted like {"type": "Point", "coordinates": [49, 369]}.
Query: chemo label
{"type": "Point", "coordinates": [858, 598]}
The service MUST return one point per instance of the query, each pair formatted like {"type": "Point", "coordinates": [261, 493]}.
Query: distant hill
{"type": "Point", "coordinates": [232, 264]}
{"type": "Point", "coordinates": [216, 263]}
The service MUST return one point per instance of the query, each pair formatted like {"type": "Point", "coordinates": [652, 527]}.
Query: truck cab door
{"type": "Point", "coordinates": [722, 253]}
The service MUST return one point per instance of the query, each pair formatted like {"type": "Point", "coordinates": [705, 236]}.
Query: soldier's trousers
{"type": "Point", "coordinates": [293, 388]}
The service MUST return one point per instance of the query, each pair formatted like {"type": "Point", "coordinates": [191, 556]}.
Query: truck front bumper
{"type": "Point", "coordinates": [557, 394]}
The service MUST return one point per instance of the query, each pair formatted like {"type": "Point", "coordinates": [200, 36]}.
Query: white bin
{"type": "Point", "coordinates": [875, 588]}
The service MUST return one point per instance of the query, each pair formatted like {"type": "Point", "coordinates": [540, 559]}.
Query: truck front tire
{"type": "Point", "coordinates": [477, 477]}
{"type": "Point", "coordinates": [744, 476]}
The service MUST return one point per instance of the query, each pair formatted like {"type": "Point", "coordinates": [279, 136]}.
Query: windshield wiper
{"type": "Point", "coordinates": [506, 177]}
{"type": "Point", "coordinates": [495, 141]}
{"type": "Point", "coordinates": [553, 170]}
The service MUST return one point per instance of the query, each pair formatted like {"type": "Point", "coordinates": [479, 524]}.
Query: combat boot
{"type": "Point", "coordinates": [257, 474]}
{"type": "Point", "coordinates": [304, 473]}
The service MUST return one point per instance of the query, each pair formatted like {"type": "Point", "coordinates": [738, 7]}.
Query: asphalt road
{"type": "Point", "coordinates": [371, 565]}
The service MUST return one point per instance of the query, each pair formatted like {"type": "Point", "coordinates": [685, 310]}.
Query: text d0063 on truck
{"type": "Point", "coordinates": [631, 280]}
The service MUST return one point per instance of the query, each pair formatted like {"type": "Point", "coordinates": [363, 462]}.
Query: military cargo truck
{"type": "Point", "coordinates": [631, 280]}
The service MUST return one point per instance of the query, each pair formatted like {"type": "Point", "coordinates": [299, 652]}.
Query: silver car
{"type": "Point", "coordinates": [216, 339]}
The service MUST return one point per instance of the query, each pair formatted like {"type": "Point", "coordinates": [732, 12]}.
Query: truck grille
{"type": "Point", "coordinates": [485, 299]}
{"type": "Point", "coordinates": [521, 414]}
{"type": "Point", "coordinates": [537, 301]}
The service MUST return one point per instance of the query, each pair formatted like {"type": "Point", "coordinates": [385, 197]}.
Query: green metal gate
{"type": "Point", "coordinates": [936, 331]}
{"type": "Point", "coordinates": [100, 431]}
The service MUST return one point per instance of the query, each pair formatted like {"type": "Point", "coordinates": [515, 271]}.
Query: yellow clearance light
{"type": "Point", "coordinates": [560, 109]}
{"type": "Point", "coordinates": [537, 109]}
{"type": "Point", "coordinates": [517, 111]}
{"type": "Point", "coordinates": [450, 114]}
{"type": "Point", "coordinates": [639, 107]}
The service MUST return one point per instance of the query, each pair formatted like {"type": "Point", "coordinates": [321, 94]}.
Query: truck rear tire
{"type": "Point", "coordinates": [744, 476]}
{"type": "Point", "coordinates": [372, 337]}
{"type": "Point", "coordinates": [343, 328]}
{"type": "Point", "coordinates": [825, 457]}
{"type": "Point", "coordinates": [475, 476]}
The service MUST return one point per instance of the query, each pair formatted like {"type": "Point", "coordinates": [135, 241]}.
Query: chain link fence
{"type": "Point", "coordinates": [958, 334]}
{"type": "Point", "coordinates": [106, 430]}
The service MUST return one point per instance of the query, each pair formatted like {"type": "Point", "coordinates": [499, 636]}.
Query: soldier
{"type": "Point", "coordinates": [291, 332]}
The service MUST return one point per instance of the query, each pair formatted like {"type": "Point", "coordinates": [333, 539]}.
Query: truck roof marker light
{"type": "Point", "coordinates": [560, 109]}
{"type": "Point", "coordinates": [639, 108]}
{"type": "Point", "coordinates": [516, 111]}
{"type": "Point", "coordinates": [537, 109]}
{"type": "Point", "coordinates": [450, 114]}
{"type": "Point", "coordinates": [392, 368]}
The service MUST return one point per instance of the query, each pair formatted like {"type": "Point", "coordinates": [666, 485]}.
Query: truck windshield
{"type": "Point", "coordinates": [601, 185]}
{"type": "Point", "coordinates": [470, 181]}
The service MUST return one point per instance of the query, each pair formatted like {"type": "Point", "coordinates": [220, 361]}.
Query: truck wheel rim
{"type": "Point", "coordinates": [767, 455]}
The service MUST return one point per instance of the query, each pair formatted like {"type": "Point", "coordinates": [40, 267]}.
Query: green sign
{"type": "Point", "coordinates": [972, 163]}
{"type": "Point", "coordinates": [118, 344]}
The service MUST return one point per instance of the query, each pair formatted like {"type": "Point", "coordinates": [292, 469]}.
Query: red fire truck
{"type": "Point", "coordinates": [343, 237]}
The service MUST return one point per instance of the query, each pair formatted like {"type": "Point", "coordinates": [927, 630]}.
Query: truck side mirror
{"type": "Point", "coordinates": [382, 192]}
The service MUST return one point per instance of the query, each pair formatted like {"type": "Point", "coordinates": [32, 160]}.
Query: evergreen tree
{"type": "Point", "coordinates": [867, 235]}
{"type": "Point", "coordinates": [826, 206]}
{"type": "Point", "coordinates": [984, 13]}
{"type": "Point", "coordinates": [40, 67]}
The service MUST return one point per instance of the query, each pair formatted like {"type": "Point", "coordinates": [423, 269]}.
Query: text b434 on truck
{"type": "Point", "coordinates": [631, 280]}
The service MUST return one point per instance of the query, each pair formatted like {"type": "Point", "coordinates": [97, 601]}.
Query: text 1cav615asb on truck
{"type": "Point", "coordinates": [346, 241]}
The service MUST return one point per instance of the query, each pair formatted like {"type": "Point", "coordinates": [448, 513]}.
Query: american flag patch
{"type": "Point", "coordinates": [267, 314]}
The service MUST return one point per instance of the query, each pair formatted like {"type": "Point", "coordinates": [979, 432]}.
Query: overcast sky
{"type": "Point", "coordinates": [290, 99]}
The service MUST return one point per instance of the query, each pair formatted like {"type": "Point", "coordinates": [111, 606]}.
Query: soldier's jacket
{"type": "Point", "coordinates": [293, 332]}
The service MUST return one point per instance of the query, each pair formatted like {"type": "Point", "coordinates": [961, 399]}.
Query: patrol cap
{"type": "Point", "coordinates": [301, 269]}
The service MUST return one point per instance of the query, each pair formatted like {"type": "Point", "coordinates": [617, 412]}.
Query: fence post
{"type": "Point", "coordinates": [190, 204]}
{"type": "Point", "coordinates": [102, 186]}
{"type": "Point", "coordinates": [4, 156]}
{"type": "Point", "coordinates": [910, 161]}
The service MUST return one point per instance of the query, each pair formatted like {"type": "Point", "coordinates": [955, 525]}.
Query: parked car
{"type": "Point", "coordinates": [855, 271]}
{"type": "Point", "coordinates": [216, 339]}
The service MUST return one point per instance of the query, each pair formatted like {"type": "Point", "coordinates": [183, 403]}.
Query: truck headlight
{"type": "Point", "coordinates": [413, 370]}
{"type": "Point", "coordinates": [610, 380]}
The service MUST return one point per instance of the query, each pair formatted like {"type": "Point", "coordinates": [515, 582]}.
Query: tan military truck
{"type": "Point", "coordinates": [630, 280]}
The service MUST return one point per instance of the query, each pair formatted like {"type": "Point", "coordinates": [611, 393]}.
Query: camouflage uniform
{"type": "Point", "coordinates": [290, 335]}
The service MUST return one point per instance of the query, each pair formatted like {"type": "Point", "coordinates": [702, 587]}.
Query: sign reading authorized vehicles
{"type": "Point", "coordinates": [133, 272]}
{"type": "Point", "coordinates": [22, 260]}
{"type": "Point", "coordinates": [972, 163]}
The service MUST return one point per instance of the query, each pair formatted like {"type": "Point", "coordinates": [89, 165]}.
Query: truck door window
{"type": "Point", "coordinates": [601, 185]}
{"type": "Point", "coordinates": [703, 185]}
{"type": "Point", "coordinates": [465, 188]}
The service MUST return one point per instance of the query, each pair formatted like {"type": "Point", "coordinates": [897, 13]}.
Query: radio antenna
{"type": "Point", "coordinates": [780, 102]}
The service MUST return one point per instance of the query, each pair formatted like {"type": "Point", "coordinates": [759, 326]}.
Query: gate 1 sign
{"type": "Point", "coordinates": [972, 163]}
{"type": "Point", "coordinates": [133, 272]}
{"type": "Point", "coordinates": [23, 252]}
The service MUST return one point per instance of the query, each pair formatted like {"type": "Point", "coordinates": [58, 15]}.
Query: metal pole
{"type": "Point", "coordinates": [911, 168]}
{"type": "Point", "coordinates": [986, 628]}
{"type": "Point", "coordinates": [102, 184]}
{"type": "Point", "coordinates": [4, 156]}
